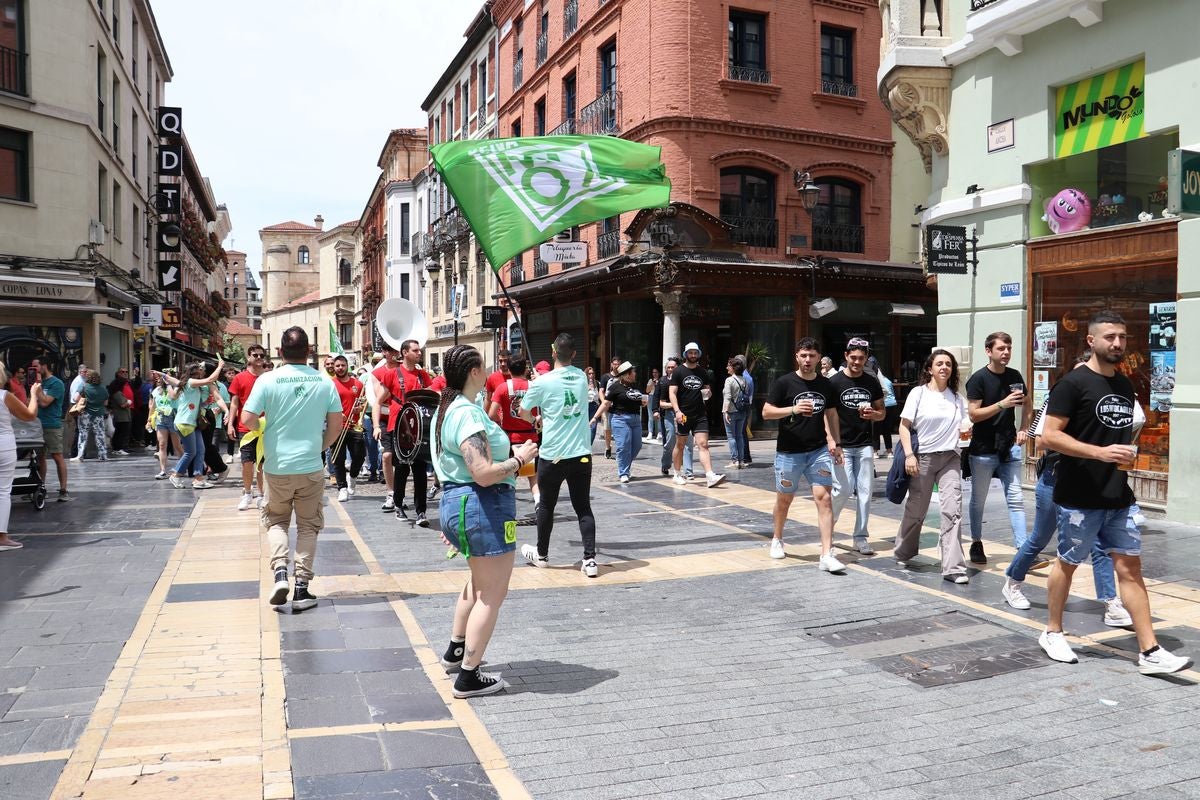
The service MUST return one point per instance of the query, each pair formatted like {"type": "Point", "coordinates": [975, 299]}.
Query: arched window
{"type": "Point", "coordinates": [748, 203]}
{"type": "Point", "coordinates": [235, 279]}
{"type": "Point", "coordinates": [344, 276]}
{"type": "Point", "coordinates": [837, 218]}
{"type": "Point", "coordinates": [302, 255]}
{"type": "Point", "coordinates": [235, 311]}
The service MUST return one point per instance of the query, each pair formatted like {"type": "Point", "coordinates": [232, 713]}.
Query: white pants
{"type": "Point", "coordinates": [8, 468]}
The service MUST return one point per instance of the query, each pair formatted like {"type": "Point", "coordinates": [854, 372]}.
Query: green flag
{"type": "Point", "coordinates": [335, 345]}
{"type": "Point", "coordinates": [517, 193]}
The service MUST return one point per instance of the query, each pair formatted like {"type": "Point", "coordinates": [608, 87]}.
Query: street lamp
{"type": "Point", "coordinates": [810, 193]}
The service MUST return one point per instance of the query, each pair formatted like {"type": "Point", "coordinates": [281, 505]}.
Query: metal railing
{"type": "Point", "coordinates": [978, 4]}
{"type": "Point", "coordinates": [754, 231]}
{"type": "Point", "coordinates": [518, 72]}
{"type": "Point", "coordinates": [12, 71]}
{"type": "Point", "coordinates": [840, 88]}
{"type": "Point", "coordinates": [481, 118]}
{"type": "Point", "coordinates": [516, 273]}
{"type": "Point", "coordinates": [570, 17]}
{"type": "Point", "coordinates": [566, 128]}
{"type": "Point", "coordinates": [540, 268]}
{"type": "Point", "coordinates": [749, 74]}
{"type": "Point", "coordinates": [600, 115]}
{"type": "Point", "coordinates": [608, 244]}
{"type": "Point", "coordinates": [837, 238]}
{"type": "Point", "coordinates": [542, 47]}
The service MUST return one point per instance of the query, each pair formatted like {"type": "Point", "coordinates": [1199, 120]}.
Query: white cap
{"type": "Point", "coordinates": [691, 346]}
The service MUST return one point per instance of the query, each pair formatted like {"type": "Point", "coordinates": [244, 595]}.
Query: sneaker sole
{"type": "Point", "coordinates": [451, 666]}
{"type": "Point", "coordinates": [303, 605]}
{"type": "Point", "coordinates": [279, 595]}
{"type": "Point", "coordinates": [824, 568]}
{"type": "Point", "coordinates": [1113, 623]}
{"type": "Point", "coordinates": [1156, 670]}
{"type": "Point", "coordinates": [1074, 659]}
{"type": "Point", "coordinates": [716, 483]}
{"type": "Point", "coordinates": [1015, 606]}
{"type": "Point", "coordinates": [498, 686]}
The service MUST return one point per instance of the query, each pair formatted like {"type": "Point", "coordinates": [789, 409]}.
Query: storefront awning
{"type": "Point", "coordinates": [185, 349]}
{"type": "Point", "coordinates": [82, 308]}
{"type": "Point", "coordinates": [907, 310]}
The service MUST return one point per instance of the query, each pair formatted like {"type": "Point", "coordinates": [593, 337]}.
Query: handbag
{"type": "Point", "coordinates": [109, 428]}
{"type": "Point", "coordinates": [77, 409]}
{"type": "Point", "coordinates": [896, 487]}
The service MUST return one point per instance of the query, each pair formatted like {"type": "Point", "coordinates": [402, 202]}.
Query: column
{"type": "Point", "coordinates": [671, 301]}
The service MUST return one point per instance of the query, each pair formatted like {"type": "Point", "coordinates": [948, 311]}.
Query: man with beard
{"type": "Point", "coordinates": [859, 403]}
{"type": "Point", "coordinates": [660, 402]}
{"type": "Point", "coordinates": [349, 391]}
{"type": "Point", "coordinates": [407, 377]}
{"type": "Point", "coordinates": [239, 393]}
{"type": "Point", "coordinates": [690, 387]}
{"type": "Point", "coordinates": [498, 377]}
{"type": "Point", "coordinates": [1089, 421]}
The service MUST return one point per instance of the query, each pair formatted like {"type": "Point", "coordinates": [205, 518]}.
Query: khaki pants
{"type": "Point", "coordinates": [301, 494]}
{"type": "Point", "coordinates": [943, 468]}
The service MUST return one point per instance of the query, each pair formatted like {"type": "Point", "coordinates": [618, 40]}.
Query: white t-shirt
{"type": "Point", "coordinates": [936, 417]}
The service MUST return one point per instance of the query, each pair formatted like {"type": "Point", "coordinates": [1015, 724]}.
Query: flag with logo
{"type": "Point", "coordinates": [335, 344]}
{"type": "Point", "coordinates": [517, 193]}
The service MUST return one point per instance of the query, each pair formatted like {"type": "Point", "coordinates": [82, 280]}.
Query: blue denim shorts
{"type": "Point", "coordinates": [816, 466]}
{"type": "Point", "coordinates": [480, 520]}
{"type": "Point", "coordinates": [166, 423]}
{"type": "Point", "coordinates": [1113, 528]}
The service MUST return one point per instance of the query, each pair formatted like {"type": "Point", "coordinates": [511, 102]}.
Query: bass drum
{"type": "Point", "coordinates": [414, 427]}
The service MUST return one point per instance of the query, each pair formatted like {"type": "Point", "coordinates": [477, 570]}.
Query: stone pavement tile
{"type": "Point", "coordinates": [353, 618]}
{"type": "Point", "coordinates": [33, 781]}
{"type": "Point", "coordinates": [314, 686]}
{"type": "Point", "coordinates": [408, 681]}
{"type": "Point", "coordinates": [317, 662]}
{"type": "Point", "coordinates": [407, 707]}
{"type": "Point", "coordinates": [375, 638]}
{"type": "Point", "coordinates": [218, 780]}
{"type": "Point", "coordinates": [327, 711]}
{"type": "Point", "coordinates": [50, 735]}
{"type": "Point", "coordinates": [331, 755]}
{"type": "Point", "coordinates": [431, 748]}
{"type": "Point", "coordinates": [66, 677]}
{"type": "Point", "coordinates": [458, 782]}
{"type": "Point", "coordinates": [54, 703]}
{"type": "Point", "coordinates": [6, 701]}
{"type": "Point", "coordinates": [292, 641]}
{"type": "Point", "coordinates": [225, 590]}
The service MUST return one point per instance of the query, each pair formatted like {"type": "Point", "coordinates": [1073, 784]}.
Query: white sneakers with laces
{"type": "Point", "coordinates": [679, 480]}
{"type": "Point", "coordinates": [713, 480]}
{"type": "Point", "coordinates": [351, 480]}
{"type": "Point", "coordinates": [1056, 646]}
{"type": "Point", "coordinates": [589, 568]}
{"type": "Point", "coordinates": [777, 549]}
{"type": "Point", "coordinates": [1014, 594]}
{"type": "Point", "coordinates": [1161, 662]}
{"type": "Point", "coordinates": [343, 495]}
{"type": "Point", "coordinates": [530, 554]}
{"type": "Point", "coordinates": [1115, 615]}
{"type": "Point", "coordinates": [830, 564]}
{"type": "Point", "coordinates": [245, 502]}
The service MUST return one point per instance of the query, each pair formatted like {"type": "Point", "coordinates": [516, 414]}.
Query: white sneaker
{"type": "Point", "coordinates": [623, 479]}
{"type": "Point", "coordinates": [679, 480]}
{"type": "Point", "coordinates": [343, 495]}
{"type": "Point", "coordinates": [262, 501]}
{"type": "Point", "coordinates": [76, 459]}
{"type": "Point", "coordinates": [1014, 595]}
{"type": "Point", "coordinates": [1057, 647]}
{"type": "Point", "coordinates": [777, 548]}
{"type": "Point", "coordinates": [589, 568]}
{"type": "Point", "coordinates": [244, 503]}
{"type": "Point", "coordinates": [352, 481]}
{"type": "Point", "coordinates": [864, 548]}
{"type": "Point", "coordinates": [1161, 662]}
{"type": "Point", "coordinates": [175, 481]}
{"type": "Point", "coordinates": [530, 554]}
{"type": "Point", "coordinates": [829, 563]}
{"type": "Point", "coordinates": [714, 480]}
{"type": "Point", "coordinates": [1115, 615]}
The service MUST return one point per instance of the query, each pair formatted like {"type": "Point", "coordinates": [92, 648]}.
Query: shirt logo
{"type": "Point", "coordinates": [853, 396]}
{"type": "Point", "coordinates": [693, 383]}
{"type": "Point", "coordinates": [1114, 411]}
{"type": "Point", "coordinates": [818, 401]}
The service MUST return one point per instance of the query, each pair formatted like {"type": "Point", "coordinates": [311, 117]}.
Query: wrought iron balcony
{"type": "Point", "coordinates": [608, 244]}
{"type": "Point", "coordinates": [540, 268]}
{"type": "Point", "coordinates": [837, 238]}
{"type": "Point", "coordinates": [566, 128]}
{"type": "Point", "coordinates": [543, 47]}
{"type": "Point", "coordinates": [12, 71]}
{"type": "Point", "coordinates": [516, 273]}
{"type": "Point", "coordinates": [570, 17]}
{"type": "Point", "coordinates": [600, 115]}
{"type": "Point", "coordinates": [447, 229]}
{"type": "Point", "coordinates": [754, 231]}
{"type": "Point", "coordinates": [518, 73]}
{"type": "Point", "coordinates": [840, 88]}
{"type": "Point", "coordinates": [738, 72]}
{"type": "Point", "coordinates": [481, 119]}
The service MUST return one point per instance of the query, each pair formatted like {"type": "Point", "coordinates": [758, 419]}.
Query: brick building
{"type": "Point", "coordinates": [742, 102]}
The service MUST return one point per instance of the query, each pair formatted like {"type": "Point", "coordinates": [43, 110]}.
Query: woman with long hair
{"type": "Point", "coordinates": [162, 421]}
{"type": "Point", "coordinates": [91, 421]}
{"type": "Point", "coordinates": [936, 413]}
{"type": "Point", "coordinates": [212, 420]}
{"type": "Point", "coordinates": [11, 406]}
{"type": "Point", "coordinates": [193, 393]}
{"type": "Point", "coordinates": [881, 432]}
{"type": "Point", "coordinates": [595, 395]}
{"type": "Point", "coordinates": [478, 512]}
{"type": "Point", "coordinates": [654, 423]}
{"type": "Point", "coordinates": [735, 408]}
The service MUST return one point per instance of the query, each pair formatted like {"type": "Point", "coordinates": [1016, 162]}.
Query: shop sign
{"type": "Point", "coordinates": [1102, 110]}
{"type": "Point", "coordinates": [172, 318]}
{"type": "Point", "coordinates": [494, 317]}
{"type": "Point", "coordinates": [447, 330]}
{"type": "Point", "coordinates": [169, 121]}
{"type": "Point", "coordinates": [1010, 293]}
{"type": "Point", "coordinates": [563, 252]}
{"type": "Point", "coordinates": [170, 276]}
{"type": "Point", "coordinates": [946, 249]}
{"type": "Point", "coordinates": [40, 289]}
{"type": "Point", "coordinates": [1001, 136]}
{"type": "Point", "coordinates": [150, 314]}
{"type": "Point", "coordinates": [1183, 182]}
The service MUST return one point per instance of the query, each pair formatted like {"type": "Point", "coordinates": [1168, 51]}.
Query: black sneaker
{"type": "Point", "coordinates": [608, 453]}
{"type": "Point", "coordinates": [433, 492]}
{"type": "Point", "coordinates": [301, 599]}
{"type": "Point", "coordinates": [666, 471]}
{"type": "Point", "coordinates": [421, 521]}
{"type": "Point", "coordinates": [279, 593]}
{"type": "Point", "coordinates": [402, 513]}
{"type": "Point", "coordinates": [473, 683]}
{"type": "Point", "coordinates": [977, 554]}
{"type": "Point", "coordinates": [452, 658]}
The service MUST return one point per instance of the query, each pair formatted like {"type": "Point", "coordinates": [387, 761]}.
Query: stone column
{"type": "Point", "coordinates": [671, 301]}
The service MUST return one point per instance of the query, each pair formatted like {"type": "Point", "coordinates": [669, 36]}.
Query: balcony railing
{"type": "Point", "coordinates": [749, 74]}
{"type": "Point", "coordinates": [978, 4]}
{"type": "Point", "coordinates": [565, 129]}
{"type": "Point", "coordinates": [754, 231]}
{"type": "Point", "coordinates": [840, 88]}
{"type": "Point", "coordinates": [12, 71]}
{"type": "Point", "coordinates": [518, 73]}
{"type": "Point", "coordinates": [516, 273]}
{"type": "Point", "coordinates": [543, 47]}
{"type": "Point", "coordinates": [540, 268]}
{"type": "Point", "coordinates": [608, 244]}
{"type": "Point", "coordinates": [837, 238]}
{"type": "Point", "coordinates": [481, 119]}
{"type": "Point", "coordinates": [570, 17]}
{"type": "Point", "coordinates": [600, 115]}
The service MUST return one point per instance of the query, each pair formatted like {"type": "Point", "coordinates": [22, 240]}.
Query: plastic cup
{"type": "Point", "coordinates": [864, 408]}
{"type": "Point", "coordinates": [806, 407]}
{"type": "Point", "coordinates": [1125, 466]}
{"type": "Point", "coordinates": [964, 432]}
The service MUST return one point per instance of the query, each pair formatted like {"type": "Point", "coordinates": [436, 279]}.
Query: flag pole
{"type": "Point", "coordinates": [520, 327]}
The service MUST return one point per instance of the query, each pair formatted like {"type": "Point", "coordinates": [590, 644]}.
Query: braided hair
{"type": "Point", "coordinates": [457, 363]}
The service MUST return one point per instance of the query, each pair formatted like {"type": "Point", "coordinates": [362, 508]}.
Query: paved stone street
{"type": "Point", "coordinates": [138, 659]}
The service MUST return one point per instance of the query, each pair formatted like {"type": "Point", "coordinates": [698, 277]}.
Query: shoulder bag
{"type": "Point", "coordinates": [896, 487]}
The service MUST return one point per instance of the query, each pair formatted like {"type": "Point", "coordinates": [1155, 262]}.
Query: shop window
{"type": "Point", "coordinates": [14, 164]}
{"type": "Point", "coordinates": [836, 220]}
{"type": "Point", "coordinates": [346, 335]}
{"type": "Point", "coordinates": [748, 203]}
{"type": "Point", "coordinates": [1114, 185]}
{"type": "Point", "coordinates": [302, 256]}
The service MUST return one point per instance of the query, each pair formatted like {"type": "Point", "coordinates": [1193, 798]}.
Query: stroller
{"type": "Point", "coordinates": [30, 444]}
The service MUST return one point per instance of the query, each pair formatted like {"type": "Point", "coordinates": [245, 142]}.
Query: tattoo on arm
{"type": "Point", "coordinates": [476, 452]}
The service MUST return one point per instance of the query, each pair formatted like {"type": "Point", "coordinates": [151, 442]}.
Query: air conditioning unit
{"type": "Point", "coordinates": [97, 233]}
{"type": "Point", "coordinates": [822, 308]}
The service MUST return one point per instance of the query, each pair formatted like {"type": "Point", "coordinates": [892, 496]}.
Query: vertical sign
{"type": "Point", "coordinates": [946, 249]}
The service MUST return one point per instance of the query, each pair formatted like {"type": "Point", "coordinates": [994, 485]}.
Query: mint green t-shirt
{"type": "Point", "coordinates": [561, 396]}
{"type": "Point", "coordinates": [187, 406]}
{"type": "Point", "coordinates": [295, 399]}
{"type": "Point", "coordinates": [463, 420]}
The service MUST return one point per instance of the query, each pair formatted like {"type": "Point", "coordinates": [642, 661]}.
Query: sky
{"type": "Point", "coordinates": [287, 103]}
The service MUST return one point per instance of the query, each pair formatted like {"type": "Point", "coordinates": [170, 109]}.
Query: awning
{"type": "Point", "coordinates": [907, 310]}
{"type": "Point", "coordinates": [117, 294]}
{"type": "Point", "coordinates": [185, 349]}
{"type": "Point", "coordinates": [83, 308]}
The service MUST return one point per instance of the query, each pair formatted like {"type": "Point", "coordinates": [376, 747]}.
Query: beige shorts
{"type": "Point", "coordinates": [54, 440]}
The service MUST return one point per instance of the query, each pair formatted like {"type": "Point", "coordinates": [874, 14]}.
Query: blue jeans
{"type": "Point", "coordinates": [373, 462]}
{"type": "Point", "coordinates": [670, 434]}
{"type": "Point", "coordinates": [1045, 523]}
{"type": "Point", "coordinates": [982, 470]}
{"type": "Point", "coordinates": [735, 430]}
{"type": "Point", "coordinates": [627, 435]}
{"type": "Point", "coordinates": [193, 453]}
{"type": "Point", "coordinates": [655, 425]}
{"type": "Point", "coordinates": [592, 407]}
{"type": "Point", "coordinates": [856, 471]}
{"type": "Point", "coordinates": [815, 466]}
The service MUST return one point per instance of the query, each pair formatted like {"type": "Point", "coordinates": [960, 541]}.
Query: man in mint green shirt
{"type": "Point", "coordinates": [298, 403]}
{"type": "Point", "coordinates": [565, 452]}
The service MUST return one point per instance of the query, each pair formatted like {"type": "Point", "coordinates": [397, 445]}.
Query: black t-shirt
{"type": "Point", "coordinates": [688, 384]}
{"type": "Point", "coordinates": [990, 388]}
{"type": "Point", "coordinates": [856, 431]}
{"type": "Point", "coordinates": [798, 433]}
{"type": "Point", "coordinates": [625, 399]}
{"type": "Point", "coordinates": [662, 394]}
{"type": "Point", "coordinates": [1099, 411]}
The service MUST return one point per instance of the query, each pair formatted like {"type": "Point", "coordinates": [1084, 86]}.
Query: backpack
{"type": "Point", "coordinates": [741, 402]}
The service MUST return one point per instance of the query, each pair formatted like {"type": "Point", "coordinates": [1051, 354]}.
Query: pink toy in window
{"type": "Point", "coordinates": [1069, 210]}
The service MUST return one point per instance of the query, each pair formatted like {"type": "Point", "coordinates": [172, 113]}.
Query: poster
{"type": "Point", "coordinates": [1045, 344]}
{"type": "Point", "coordinates": [1162, 356]}
{"type": "Point", "coordinates": [1039, 397]}
{"type": "Point", "coordinates": [1041, 379]}
{"type": "Point", "coordinates": [1162, 326]}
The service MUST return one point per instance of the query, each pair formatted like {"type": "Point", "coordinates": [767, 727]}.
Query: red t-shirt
{"type": "Point", "coordinates": [240, 388]}
{"type": "Point", "coordinates": [387, 379]}
{"type": "Point", "coordinates": [493, 380]}
{"type": "Point", "coordinates": [438, 383]}
{"type": "Point", "coordinates": [518, 430]}
{"type": "Point", "coordinates": [348, 392]}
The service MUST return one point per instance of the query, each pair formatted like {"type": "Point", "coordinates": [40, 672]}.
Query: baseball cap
{"type": "Point", "coordinates": [691, 346]}
{"type": "Point", "coordinates": [542, 367]}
